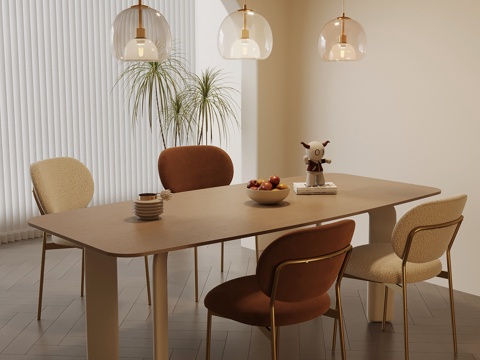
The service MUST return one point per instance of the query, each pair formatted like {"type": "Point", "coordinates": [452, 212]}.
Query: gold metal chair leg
{"type": "Point", "coordinates": [340, 322]}
{"type": "Point", "coordinates": [452, 304]}
{"type": "Point", "coordinates": [334, 338]}
{"type": "Point", "coordinates": [273, 342]}
{"type": "Point", "coordinates": [385, 302]}
{"type": "Point", "coordinates": [42, 271]}
{"type": "Point", "coordinates": [221, 257]}
{"type": "Point", "coordinates": [278, 341]}
{"type": "Point", "coordinates": [209, 335]}
{"type": "Point", "coordinates": [257, 255]}
{"type": "Point", "coordinates": [82, 280]}
{"type": "Point", "coordinates": [195, 254]}
{"type": "Point", "coordinates": [147, 276]}
{"type": "Point", "coordinates": [405, 318]}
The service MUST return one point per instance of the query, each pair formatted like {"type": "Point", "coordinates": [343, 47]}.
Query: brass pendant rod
{"type": "Point", "coordinates": [245, 16]}
{"type": "Point", "coordinates": [245, 32]}
{"type": "Point", "coordinates": [140, 19]}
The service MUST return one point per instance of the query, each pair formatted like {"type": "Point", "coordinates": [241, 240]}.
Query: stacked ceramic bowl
{"type": "Point", "coordinates": [148, 209]}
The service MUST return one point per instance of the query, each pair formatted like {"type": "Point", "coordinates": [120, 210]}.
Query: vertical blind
{"type": "Point", "coordinates": [57, 98]}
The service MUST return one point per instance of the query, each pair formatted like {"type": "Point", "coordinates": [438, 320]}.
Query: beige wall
{"type": "Point", "coordinates": [410, 111]}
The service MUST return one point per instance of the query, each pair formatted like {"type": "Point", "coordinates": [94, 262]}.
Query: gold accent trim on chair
{"type": "Point", "coordinates": [46, 245]}
{"type": "Point", "coordinates": [275, 296]}
{"type": "Point", "coordinates": [445, 240]}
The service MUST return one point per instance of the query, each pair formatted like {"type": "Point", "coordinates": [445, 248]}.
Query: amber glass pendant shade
{"type": "Point", "coordinates": [342, 39]}
{"type": "Point", "coordinates": [141, 33]}
{"type": "Point", "coordinates": [245, 34]}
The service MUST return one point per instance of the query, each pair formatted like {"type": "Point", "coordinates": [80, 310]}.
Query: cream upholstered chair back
{"type": "Point", "coordinates": [61, 184]}
{"type": "Point", "coordinates": [428, 245]}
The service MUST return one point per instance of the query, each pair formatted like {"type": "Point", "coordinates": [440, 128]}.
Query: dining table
{"type": "Point", "coordinates": [202, 217]}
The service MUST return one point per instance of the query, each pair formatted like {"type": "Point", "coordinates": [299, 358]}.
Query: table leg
{"type": "Point", "coordinates": [381, 224]}
{"type": "Point", "coordinates": [160, 307]}
{"type": "Point", "coordinates": [101, 305]}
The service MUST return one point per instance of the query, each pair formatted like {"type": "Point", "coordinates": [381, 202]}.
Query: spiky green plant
{"type": "Point", "coordinates": [178, 121]}
{"type": "Point", "coordinates": [211, 104]}
{"type": "Point", "coordinates": [151, 88]}
{"type": "Point", "coordinates": [188, 107]}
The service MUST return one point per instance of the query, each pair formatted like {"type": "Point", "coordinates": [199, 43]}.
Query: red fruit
{"type": "Point", "coordinates": [266, 185]}
{"type": "Point", "coordinates": [254, 188]}
{"type": "Point", "coordinates": [253, 182]}
{"type": "Point", "coordinates": [275, 180]}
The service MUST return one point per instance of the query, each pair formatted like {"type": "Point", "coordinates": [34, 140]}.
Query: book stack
{"type": "Point", "coordinates": [301, 188]}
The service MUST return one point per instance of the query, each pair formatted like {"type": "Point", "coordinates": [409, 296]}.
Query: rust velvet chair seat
{"type": "Point", "coordinates": [242, 300]}
{"type": "Point", "coordinates": [290, 285]}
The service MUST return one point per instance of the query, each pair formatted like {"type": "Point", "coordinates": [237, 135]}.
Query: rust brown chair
{"type": "Point", "coordinates": [291, 282]}
{"type": "Point", "coordinates": [61, 184]}
{"type": "Point", "coordinates": [195, 167]}
{"type": "Point", "coordinates": [420, 238]}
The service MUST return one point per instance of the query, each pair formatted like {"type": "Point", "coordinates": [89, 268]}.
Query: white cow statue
{"type": "Point", "coordinates": [314, 160]}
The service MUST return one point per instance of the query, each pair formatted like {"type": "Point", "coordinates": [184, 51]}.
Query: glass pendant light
{"type": "Point", "coordinates": [342, 39]}
{"type": "Point", "coordinates": [141, 33]}
{"type": "Point", "coordinates": [245, 34]}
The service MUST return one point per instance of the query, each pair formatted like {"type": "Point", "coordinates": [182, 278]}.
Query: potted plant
{"type": "Point", "coordinates": [189, 108]}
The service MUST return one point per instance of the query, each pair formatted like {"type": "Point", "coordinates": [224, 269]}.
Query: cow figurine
{"type": "Point", "coordinates": [314, 160]}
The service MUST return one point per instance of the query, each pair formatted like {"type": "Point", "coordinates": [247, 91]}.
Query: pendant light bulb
{"type": "Point", "coordinates": [141, 33]}
{"type": "Point", "coordinates": [342, 52]}
{"type": "Point", "coordinates": [342, 39]}
{"type": "Point", "coordinates": [140, 48]}
{"type": "Point", "coordinates": [245, 34]}
{"type": "Point", "coordinates": [245, 47]}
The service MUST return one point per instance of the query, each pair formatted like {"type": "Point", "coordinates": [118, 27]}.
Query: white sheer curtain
{"type": "Point", "coordinates": [57, 98]}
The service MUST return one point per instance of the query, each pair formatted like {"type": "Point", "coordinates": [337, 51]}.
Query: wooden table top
{"type": "Point", "coordinates": [212, 215]}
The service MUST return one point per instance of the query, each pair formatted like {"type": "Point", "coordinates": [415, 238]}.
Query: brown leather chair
{"type": "Point", "coordinates": [186, 168]}
{"type": "Point", "coordinates": [61, 184]}
{"type": "Point", "coordinates": [291, 282]}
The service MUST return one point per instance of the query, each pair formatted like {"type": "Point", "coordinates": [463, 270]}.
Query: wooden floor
{"type": "Point", "coordinates": [60, 335]}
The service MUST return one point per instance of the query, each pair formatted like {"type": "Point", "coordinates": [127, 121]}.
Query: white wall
{"type": "Point", "coordinates": [409, 111]}
{"type": "Point", "coordinates": [209, 16]}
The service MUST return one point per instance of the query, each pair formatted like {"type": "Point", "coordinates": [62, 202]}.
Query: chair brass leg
{"type": "Point", "coordinates": [385, 302]}
{"type": "Point", "coordinates": [278, 342]}
{"type": "Point", "coordinates": [147, 276]}
{"type": "Point", "coordinates": [195, 255]}
{"type": "Point", "coordinates": [405, 317]}
{"type": "Point", "coordinates": [209, 335]}
{"type": "Point", "coordinates": [42, 271]}
{"type": "Point", "coordinates": [340, 322]}
{"type": "Point", "coordinates": [257, 255]}
{"type": "Point", "coordinates": [452, 303]}
{"type": "Point", "coordinates": [334, 338]}
{"type": "Point", "coordinates": [273, 342]}
{"type": "Point", "coordinates": [82, 280]}
{"type": "Point", "coordinates": [452, 314]}
{"type": "Point", "coordinates": [273, 331]}
{"type": "Point", "coordinates": [221, 257]}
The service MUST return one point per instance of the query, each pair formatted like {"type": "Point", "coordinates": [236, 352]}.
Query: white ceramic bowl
{"type": "Point", "coordinates": [268, 197]}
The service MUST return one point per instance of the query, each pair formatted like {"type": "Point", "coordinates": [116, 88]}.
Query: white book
{"type": "Point", "coordinates": [301, 188]}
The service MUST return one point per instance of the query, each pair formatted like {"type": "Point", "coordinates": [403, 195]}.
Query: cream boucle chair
{"type": "Point", "coordinates": [61, 184]}
{"type": "Point", "coordinates": [420, 238]}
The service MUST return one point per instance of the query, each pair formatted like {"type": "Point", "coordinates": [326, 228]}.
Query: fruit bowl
{"type": "Point", "coordinates": [267, 197]}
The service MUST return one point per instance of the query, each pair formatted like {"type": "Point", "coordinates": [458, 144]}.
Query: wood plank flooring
{"type": "Point", "coordinates": [60, 335]}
